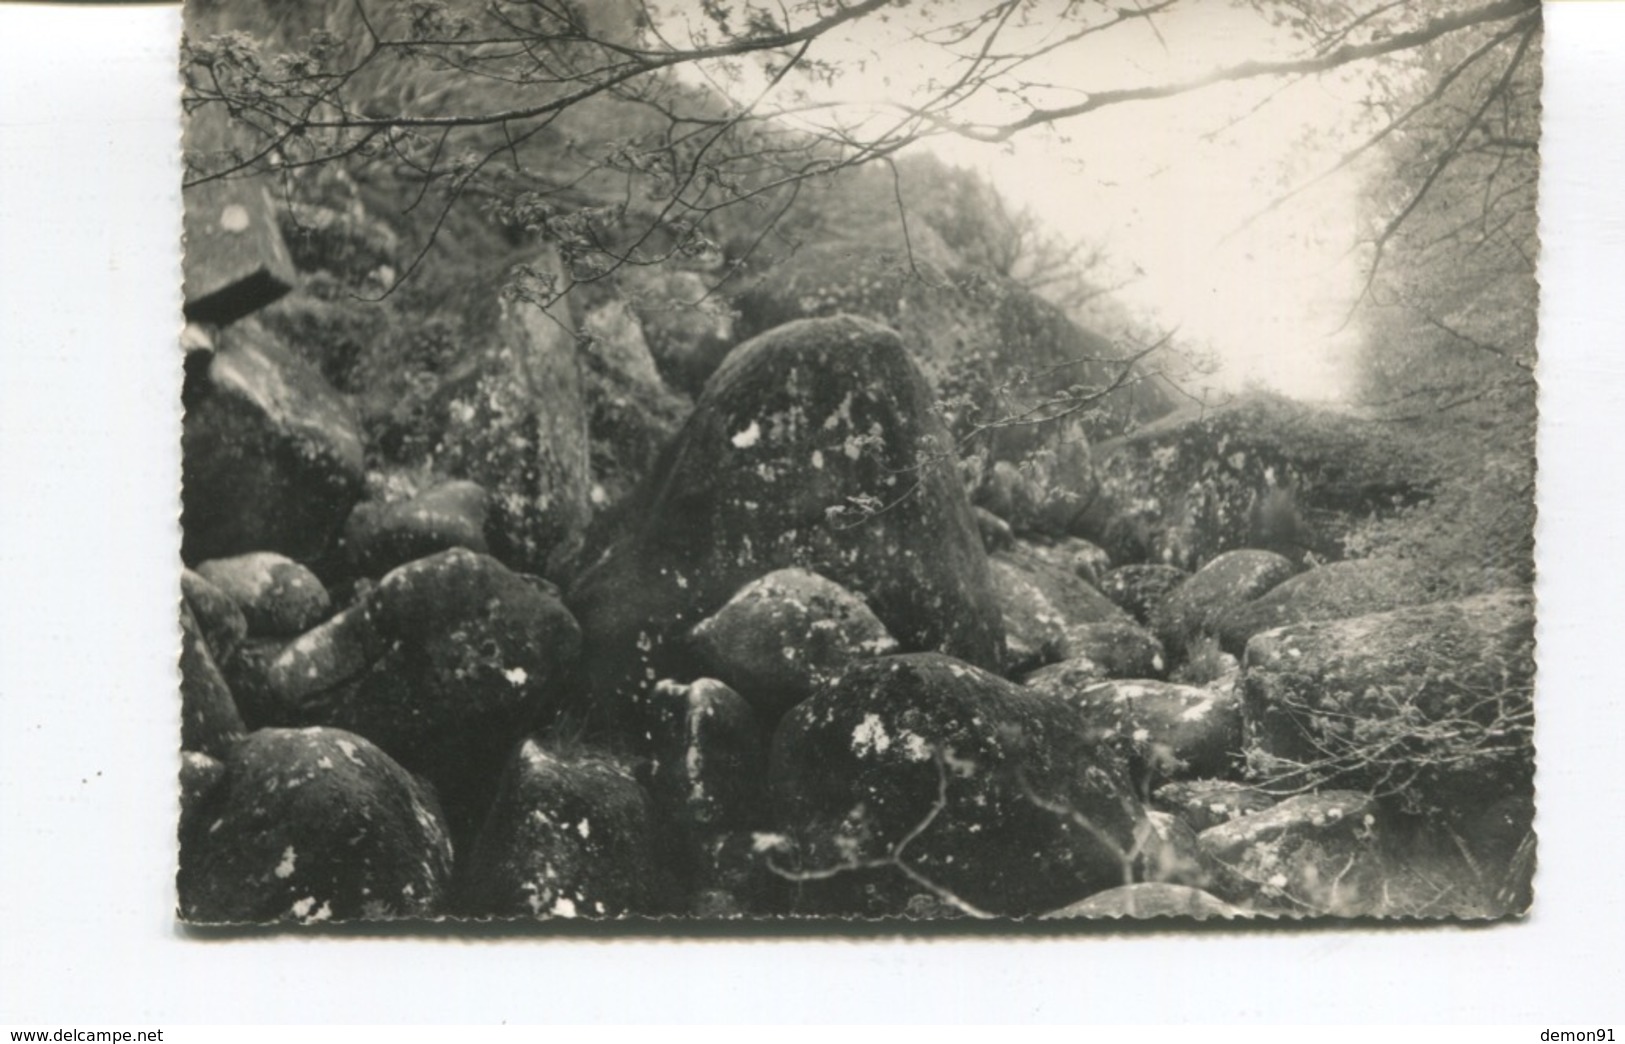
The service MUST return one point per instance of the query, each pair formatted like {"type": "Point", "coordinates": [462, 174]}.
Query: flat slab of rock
{"type": "Point", "coordinates": [313, 825]}
{"type": "Point", "coordinates": [1313, 854]}
{"type": "Point", "coordinates": [236, 261]}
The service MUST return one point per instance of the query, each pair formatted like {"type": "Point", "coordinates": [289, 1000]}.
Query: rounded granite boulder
{"type": "Point", "coordinates": [313, 825]}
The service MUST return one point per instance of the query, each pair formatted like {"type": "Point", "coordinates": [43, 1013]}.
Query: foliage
{"type": "Point", "coordinates": [1477, 531]}
{"type": "Point", "coordinates": [1449, 316]}
{"type": "Point", "coordinates": [716, 139]}
{"type": "Point", "coordinates": [672, 120]}
{"type": "Point", "coordinates": [1396, 748]}
{"type": "Point", "coordinates": [1206, 663]}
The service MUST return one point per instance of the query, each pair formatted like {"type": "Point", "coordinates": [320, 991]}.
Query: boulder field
{"type": "Point", "coordinates": [645, 622]}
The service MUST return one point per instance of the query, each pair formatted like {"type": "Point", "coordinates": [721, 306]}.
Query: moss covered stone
{"type": "Point", "coordinates": [313, 825]}
{"type": "Point", "coordinates": [1261, 472]}
{"type": "Point", "coordinates": [569, 835]}
{"type": "Point", "coordinates": [1200, 605]}
{"type": "Point", "coordinates": [443, 664]}
{"type": "Point", "coordinates": [995, 794]}
{"type": "Point", "coordinates": [813, 447]}
{"type": "Point", "coordinates": [1042, 605]}
{"type": "Point", "coordinates": [1428, 705]}
{"type": "Point", "coordinates": [782, 635]}
{"type": "Point", "coordinates": [271, 454]}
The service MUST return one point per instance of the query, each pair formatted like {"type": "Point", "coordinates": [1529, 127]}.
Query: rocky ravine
{"type": "Point", "coordinates": [533, 634]}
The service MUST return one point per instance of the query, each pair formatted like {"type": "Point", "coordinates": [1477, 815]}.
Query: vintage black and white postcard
{"type": "Point", "coordinates": [932, 460]}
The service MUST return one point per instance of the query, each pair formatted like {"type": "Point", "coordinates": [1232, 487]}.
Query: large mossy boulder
{"type": "Point", "coordinates": [1330, 592]}
{"type": "Point", "coordinates": [443, 664]}
{"type": "Point", "coordinates": [1428, 705]}
{"type": "Point", "coordinates": [513, 417]}
{"type": "Point", "coordinates": [313, 825]}
{"type": "Point", "coordinates": [915, 781]}
{"type": "Point", "coordinates": [569, 835]}
{"type": "Point", "coordinates": [814, 447]}
{"type": "Point", "coordinates": [271, 455]}
{"type": "Point", "coordinates": [1261, 472]}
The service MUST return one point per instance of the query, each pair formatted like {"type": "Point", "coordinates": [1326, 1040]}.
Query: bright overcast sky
{"type": "Point", "coordinates": [1157, 187]}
